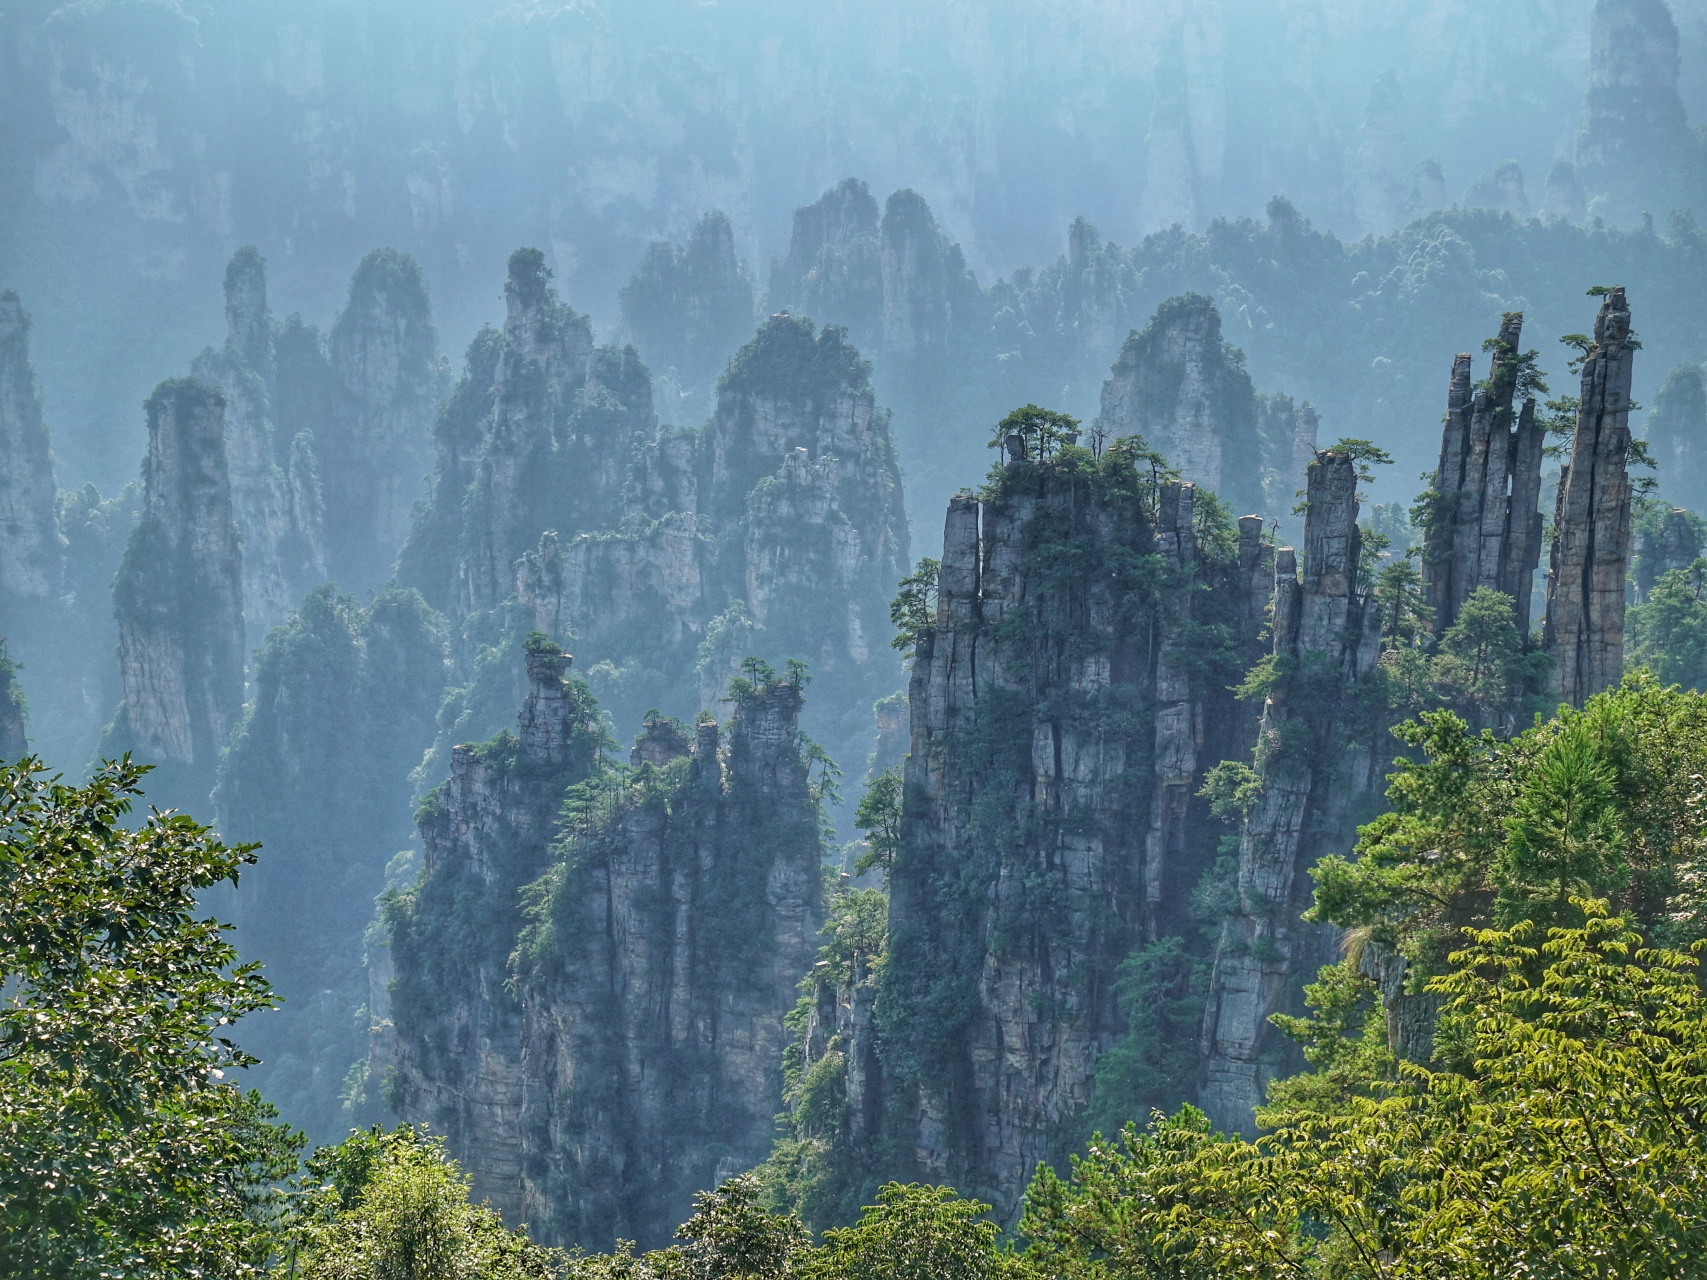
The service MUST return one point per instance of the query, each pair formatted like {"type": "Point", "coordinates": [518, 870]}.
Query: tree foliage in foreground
{"type": "Point", "coordinates": [394, 1206]}
{"type": "Point", "coordinates": [126, 1147]}
{"type": "Point", "coordinates": [1575, 1145]}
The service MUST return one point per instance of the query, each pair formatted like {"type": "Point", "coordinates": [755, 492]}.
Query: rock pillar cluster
{"type": "Point", "coordinates": [1316, 776]}
{"type": "Point", "coordinates": [630, 1053]}
{"type": "Point", "coordinates": [178, 595]}
{"type": "Point", "coordinates": [275, 483]}
{"type": "Point", "coordinates": [1484, 527]}
{"type": "Point", "coordinates": [1060, 722]}
{"type": "Point", "coordinates": [1591, 522]}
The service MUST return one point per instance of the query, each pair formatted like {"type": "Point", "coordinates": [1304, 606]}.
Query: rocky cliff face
{"type": "Point", "coordinates": [897, 283]}
{"type": "Point", "coordinates": [275, 485]}
{"type": "Point", "coordinates": [1319, 770]}
{"type": "Point", "coordinates": [565, 509]}
{"type": "Point", "coordinates": [832, 271]}
{"type": "Point", "coordinates": [686, 308]}
{"type": "Point", "coordinates": [377, 448]}
{"type": "Point", "coordinates": [1483, 526]}
{"type": "Point", "coordinates": [1591, 522]}
{"type": "Point", "coordinates": [32, 552]}
{"type": "Point", "coordinates": [178, 595]}
{"type": "Point", "coordinates": [540, 449]}
{"type": "Point", "coordinates": [1634, 134]}
{"type": "Point", "coordinates": [1185, 390]}
{"type": "Point", "coordinates": [629, 1052]}
{"type": "Point", "coordinates": [1063, 708]}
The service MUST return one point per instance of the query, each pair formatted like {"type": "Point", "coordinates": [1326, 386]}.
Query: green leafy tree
{"type": "Point", "coordinates": [913, 1232]}
{"type": "Point", "coordinates": [1160, 988]}
{"type": "Point", "coordinates": [1573, 1148]}
{"type": "Point", "coordinates": [913, 611]}
{"type": "Point", "coordinates": [394, 1206]}
{"type": "Point", "coordinates": [1667, 632]}
{"type": "Point", "coordinates": [1483, 669]}
{"type": "Point", "coordinates": [879, 816]}
{"type": "Point", "coordinates": [732, 1237]}
{"type": "Point", "coordinates": [1405, 616]}
{"type": "Point", "coordinates": [126, 1146]}
{"type": "Point", "coordinates": [1604, 801]}
{"type": "Point", "coordinates": [1043, 433]}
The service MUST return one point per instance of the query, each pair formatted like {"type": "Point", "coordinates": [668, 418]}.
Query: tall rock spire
{"type": "Point", "coordinates": [1634, 131]}
{"type": "Point", "coordinates": [32, 553]}
{"type": "Point", "coordinates": [1185, 390]}
{"type": "Point", "coordinates": [520, 485]}
{"type": "Point", "coordinates": [178, 595]}
{"type": "Point", "coordinates": [377, 450]}
{"type": "Point", "coordinates": [1060, 720]}
{"type": "Point", "coordinates": [1484, 527]}
{"type": "Point", "coordinates": [1591, 522]}
{"type": "Point", "coordinates": [687, 308]}
{"type": "Point", "coordinates": [1317, 773]}
{"type": "Point", "coordinates": [275, 493]}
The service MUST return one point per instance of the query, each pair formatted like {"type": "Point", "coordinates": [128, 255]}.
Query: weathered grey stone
{"type": "Point", "coordinates": [277, 507]}
{"type": "Point", "coordinates": [1591, 522]}
{"type": "Point", "coordinates": [178, 595]}
{"type": "Point", "coordinates": [377, 448]}
{"type": "Point", "coordinates": [635, 1058]}
{"type": "Point", "coordinates": [1185, 390]}
{"type": "Point", "coordinates": [1031, 666]}
{"type": "Point", "coordinates": [1318, 775]}
{"type": "Point", "coordinates": [1484, 528]}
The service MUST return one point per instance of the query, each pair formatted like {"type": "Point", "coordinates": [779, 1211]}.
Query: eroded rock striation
{"type": "Point", "coordinates": [1063, 709]}
{"type": "Point", "coordinates": [1483, 525]}
{"type": "Point", "coordinates": [1591, 522]}
{"type": "Point", "coordinates": [178, 595]}
{"type": "Point", "coordinates": [628, 1053]}
{"type": "Point", "coordinates": [1319, 771]}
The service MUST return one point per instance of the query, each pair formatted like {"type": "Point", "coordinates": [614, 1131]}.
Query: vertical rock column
{"type": "Point", "coordinates": [1591, 523]}
{"type": "Point", "coordinates": [277, 507]}
{"type": "Point", "coordinates": [378, 447]}
{"type": "Point", "coordinates": [1314, 778]}
{"type": "Point", "coordinates": [178, 595]}
{"type": "Point", "coordinates": [1176, 710]}
{"type": "Point", "coordinates": [31, 549]}
{"type": "Point", "coordinates": [1485, 528]}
